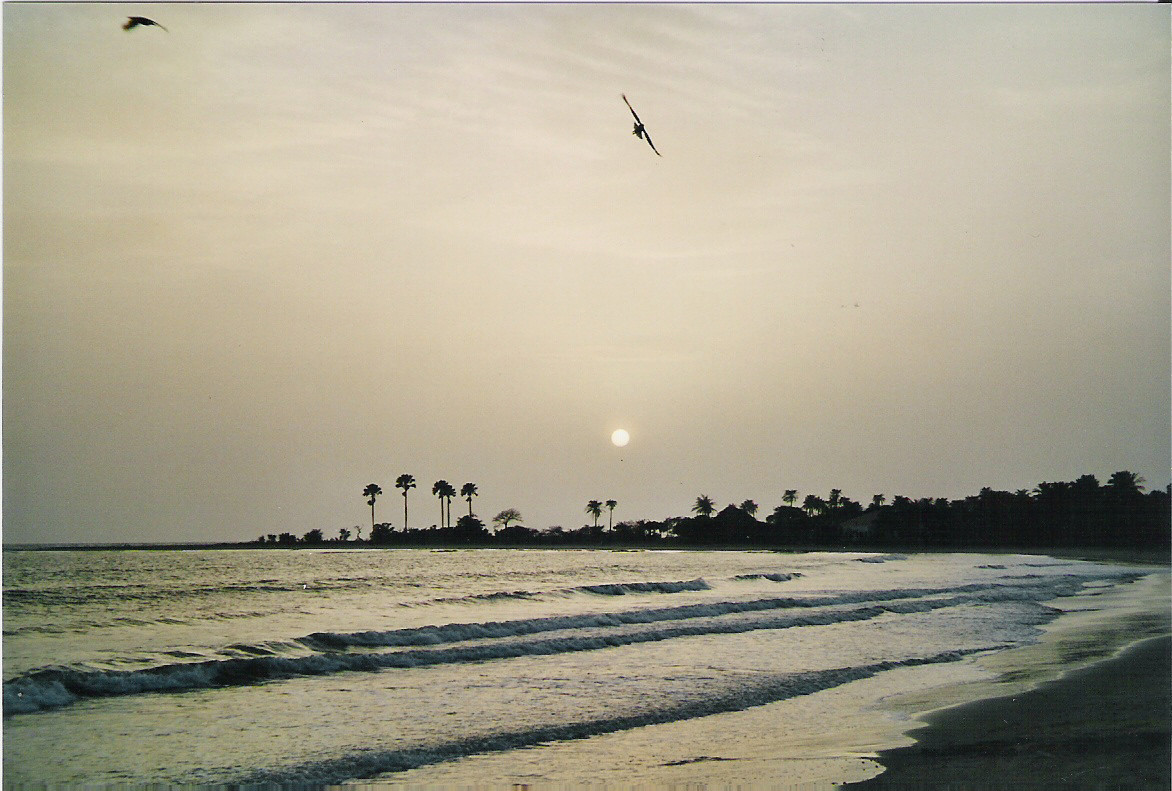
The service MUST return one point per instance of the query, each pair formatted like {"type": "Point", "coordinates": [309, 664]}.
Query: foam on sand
{"type": "Point", "coordinates": [1102, 726]}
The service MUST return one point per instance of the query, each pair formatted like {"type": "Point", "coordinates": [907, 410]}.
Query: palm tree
{"type": "Point", "coordinates": [468, 491]}
{"type": "Point", "coordinates": [438, 489]}
{"type": "Point", "coordinates": [448, 493]}
{"type": "Point", "coordinates": [749, 507]}
{"type": "Point", "coordinates": [878, 500]}
{"type": "Point", "coordinates": [406, 483]}
{"type": "Point", "coordinates": [1125, 482]}
{"type": "Point", "coordinates": [704, 506]}
{"type": "Point", "coordinates": [372, 491]}
{"type": "Point", "coordinates": [612, 504]}
{"type": "Point", "coordinates": [594, 508]}
{"type": "Point", "coordinates": [791, 497]}
{"type": "Point", "coordinates": [835, 499]}
{"type": "Point", "coordinates": [812, 504]}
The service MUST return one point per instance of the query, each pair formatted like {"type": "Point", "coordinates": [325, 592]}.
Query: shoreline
{"type": "Point", "coordinates": [1105, 725]}
{"type": "Point", "coordinates": [1144, 556]}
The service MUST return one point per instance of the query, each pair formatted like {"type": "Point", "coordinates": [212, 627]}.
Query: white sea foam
{"type": "Point", "coordinates": [478, 642]}
{"type": "Point", "coordinates": [326, 667]}
{"type": "Point", "coordinates": [370, 763]}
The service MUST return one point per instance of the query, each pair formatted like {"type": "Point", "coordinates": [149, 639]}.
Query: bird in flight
{"type": "Point", "coordinates": [135, 21]}
{"type": "Point", "coordinates": [640, 130]}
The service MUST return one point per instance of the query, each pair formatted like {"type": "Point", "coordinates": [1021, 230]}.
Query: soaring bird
{"type": "Point", "coordinates": [640, 130]}
{"type": "Point", "coordinates": [135, 21]}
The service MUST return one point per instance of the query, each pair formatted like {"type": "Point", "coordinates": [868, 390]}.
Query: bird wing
{"type": "Point", "coordinates": [647, 136]}
{"type": "Point", "coordinates": [632, 109]}
{"type": "Point", "coordinates": [135, 21]}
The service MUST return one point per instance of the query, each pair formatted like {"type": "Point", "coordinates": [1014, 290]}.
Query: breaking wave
{"type": "Point", "coordinates": [601, 589]}
{"type": "Point", "coordinates": [371, 763]}
{"type": "Point", "coordinates": [487, 641]}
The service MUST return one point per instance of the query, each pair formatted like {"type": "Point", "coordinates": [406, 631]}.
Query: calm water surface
{"type": "Point", "coordinates": [494, 667]}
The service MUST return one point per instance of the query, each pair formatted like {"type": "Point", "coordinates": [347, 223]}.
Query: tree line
{"type": "Point", "coordinates": [1079, 513]}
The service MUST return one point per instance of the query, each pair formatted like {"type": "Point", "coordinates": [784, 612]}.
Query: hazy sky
{"type": "Point", "coordinates": [280, 252]}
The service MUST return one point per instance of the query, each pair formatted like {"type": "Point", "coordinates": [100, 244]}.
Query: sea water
{"type": "Point", "coordinates": [482, 668]}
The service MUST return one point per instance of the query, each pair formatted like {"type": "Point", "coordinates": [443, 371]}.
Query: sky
{"type": "Point", "coordinates": [277, 252]}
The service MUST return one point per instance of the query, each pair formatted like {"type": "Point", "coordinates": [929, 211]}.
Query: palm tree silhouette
{"type": "Point", "coordinates": [594, 508]}
{"type": "Point", "coordinates": [372, 491]}
{"type": "Point", "coordinates": [704, 506]}
{"type": "Point", "coordinates": [749, 507]}
{"type": "Point", "coordinates": [612, 504]}
{"type": "Point", "coordinates": [468, 491]}
{"type": "Point", "coordinates": [1125, 482]}
{"type": "Point", "coordinates": [438, 489]}
{"type": "Point", "coordinates": [813, 503]}
{"type": "Point", "coordinates": [791, 497]}
{"type": "Point", "coordinates": [878, 500]}
{"type": "Point", "coordinates": [448, 493]}
{"type": "Point", "coordinates": [405, 482]}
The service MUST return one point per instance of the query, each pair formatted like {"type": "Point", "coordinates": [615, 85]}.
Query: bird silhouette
{"type": "Point", "coordinates": [135, 21]}
{"type": "Point", "coordinates": [640, 130]}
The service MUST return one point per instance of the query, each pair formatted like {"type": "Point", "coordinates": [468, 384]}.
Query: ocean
{"type": "Point", "coordinates": [542, 668]}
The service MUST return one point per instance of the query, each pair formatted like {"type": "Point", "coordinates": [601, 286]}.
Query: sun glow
{"type": "Point", "coordinates": [620, 437]}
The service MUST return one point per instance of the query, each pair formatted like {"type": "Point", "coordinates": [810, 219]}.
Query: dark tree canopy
{"type": "Point", "coordinates": [1054, 514]}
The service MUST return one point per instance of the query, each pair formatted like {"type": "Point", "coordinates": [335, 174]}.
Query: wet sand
{"type": "Point", "coordinates": [1105, 726]}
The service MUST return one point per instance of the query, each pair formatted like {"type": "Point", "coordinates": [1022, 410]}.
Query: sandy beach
{"type": "Point", "coordinates": [1105, 726]}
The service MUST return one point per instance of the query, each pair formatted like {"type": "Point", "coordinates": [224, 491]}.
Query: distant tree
{"type": "Point", "coordinates": [791, 497]}
{"type": "Point", "coordinates": [848, 508]}
{"type": "Point", "coordinates": [1047, 489]}
{"type": "Point", "coordinates": [468, 491]}
{"type": "Point", "coordinates": [704, 506]}
{"type": "Point", "coordinates": [435, 490]}
{"type": "Point", "coordinates": [286, 538]}
{"type": "Point", "coordinates": [594, 508]}
{"type": "Point", "coordinates": [506, 516]}
{"type": "Point", "coordinates": [1086, 483]}
{"type": "Point", "coordinates": [749, 507]}
{"type": "Point", "coordinates": [470, 529]}
{"type": "Point", "coordinates": [516, 534]}
{"type": "Point", "coordinates": [877, 501]}
{"type": "Point", "coordinates": [612, 504]}
{"type": "Point", "coordinates": [834, 500]}
{"type": "Point", "coordinates": [813, 504]}
{"type": "Point", "coordinates": [1124, 482]}
{"type": "Point", "coordinates": [382, 533]}
{"type": "Point", "coordinates": [440, 489]}
{"type": "Point", "coordinates": [313, 537]}
{"type": "Point", "coordinates": [272, 538]}
{"type": "Point", "coordinates": [784, 515]}
{"type": "Point", "coordinates": [343, 534]}
{"type": "Point", "coordinates": [406, 483]}
{"type": "Point", "coordinates": [448, 493]}
{"type": "Point", "coordinates": [372, 491]}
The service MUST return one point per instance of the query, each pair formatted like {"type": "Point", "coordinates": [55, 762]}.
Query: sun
{"type": "Point", "coordinates": [620, 437]}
